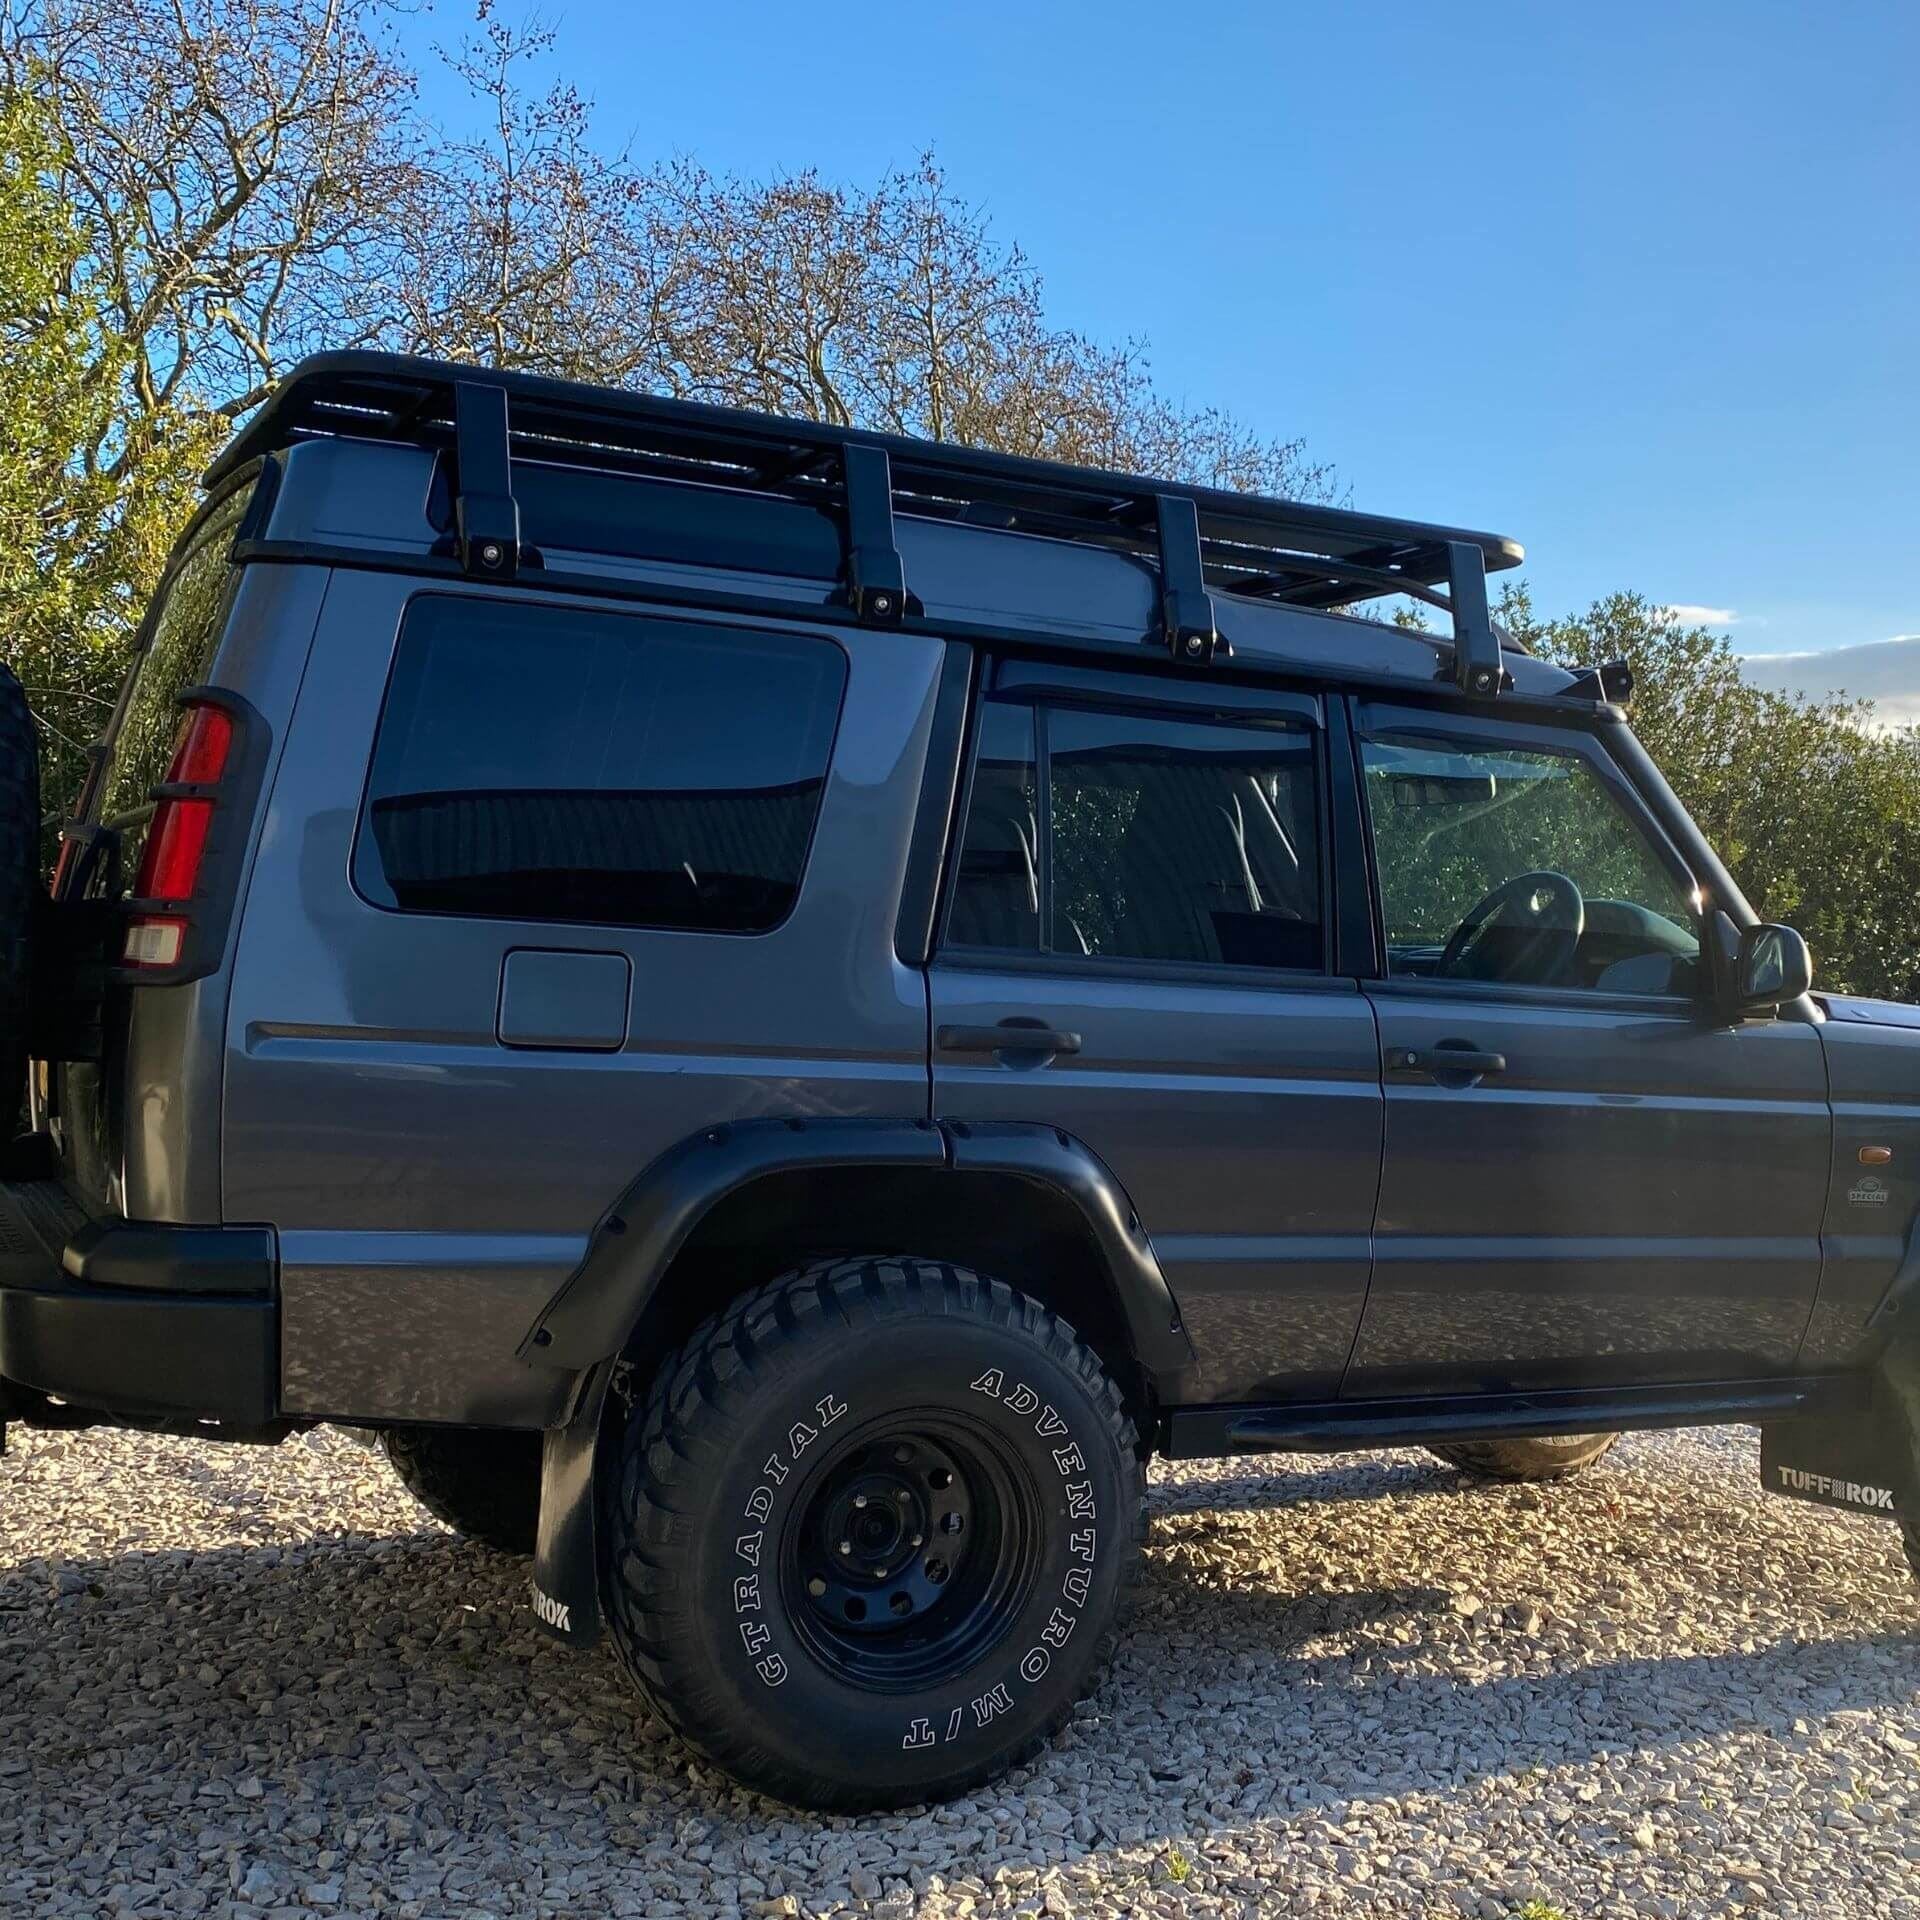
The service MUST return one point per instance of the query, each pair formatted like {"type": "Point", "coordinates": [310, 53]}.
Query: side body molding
{"type": "Point", "coordinates": [586, 1326]}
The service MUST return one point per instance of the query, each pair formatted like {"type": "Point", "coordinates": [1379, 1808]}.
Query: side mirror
{"type": "Point", "coordinates": [1771, 965]}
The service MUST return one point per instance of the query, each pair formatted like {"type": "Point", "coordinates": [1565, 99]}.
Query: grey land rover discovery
{"type": "Point", "coordinates": [778, 1009]}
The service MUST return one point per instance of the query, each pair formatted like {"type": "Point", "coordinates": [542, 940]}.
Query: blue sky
{"type": "Point", "coordinates": [1637, 284]}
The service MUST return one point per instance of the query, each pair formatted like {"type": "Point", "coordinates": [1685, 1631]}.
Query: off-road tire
{"type": "Point", "coordinates": [19, 886]}
{"type": "Point", "coordinates": [733, 1477]}
{"type": "Point", "coordinates": [483, 1484]}
{"type": "Point", "coordinates": [1552, 1458]}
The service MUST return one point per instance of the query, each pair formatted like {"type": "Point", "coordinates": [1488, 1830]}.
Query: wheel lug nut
{"type": "Point", "coordinates": [846, 1546]}
{"type": "Point", "coordinates": [859, 1499]}
{"type": "Point", "coordinates": [816, 1586]}
{"type": "Point", "coordinates": [916, 1539]}
{"type": "Point", "coordinates": [904, 1497]}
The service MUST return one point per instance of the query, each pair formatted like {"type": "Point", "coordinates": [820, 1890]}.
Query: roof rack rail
{"type": "Point", "coordinates": [1202, 540]}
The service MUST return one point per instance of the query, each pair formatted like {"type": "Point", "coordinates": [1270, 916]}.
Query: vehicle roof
{"type": "Point", "coordinates": [616, 485]}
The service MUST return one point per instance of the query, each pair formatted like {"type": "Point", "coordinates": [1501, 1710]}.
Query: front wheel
{"type": "Point", "coordinates": [1550, 1457]}
{"type": "Point", "coordinates": [870, 1529]}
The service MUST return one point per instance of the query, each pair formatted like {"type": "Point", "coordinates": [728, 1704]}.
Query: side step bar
{"type": "Point", "coordinates": [1332, 1426]}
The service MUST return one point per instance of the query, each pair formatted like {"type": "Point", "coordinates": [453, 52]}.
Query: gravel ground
{"type": "Point", "coordinates": [238, 1681]}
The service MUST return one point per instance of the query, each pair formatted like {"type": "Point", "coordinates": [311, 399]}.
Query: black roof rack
{"type": "Point", "coordinates": [1202, 539]}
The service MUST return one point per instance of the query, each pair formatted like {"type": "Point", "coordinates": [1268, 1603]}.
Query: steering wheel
{"type": "Point", "coordinates": [1557, 917]}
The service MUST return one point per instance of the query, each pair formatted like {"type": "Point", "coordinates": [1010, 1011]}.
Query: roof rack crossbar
{"type": "Point", "coordinates": [1288, 576]}
{"type": "Point", "coordinates": [486, 518]}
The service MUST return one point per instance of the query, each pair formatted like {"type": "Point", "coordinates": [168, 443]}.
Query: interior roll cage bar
{"type": "Point", "coordinates": [1201, 540]}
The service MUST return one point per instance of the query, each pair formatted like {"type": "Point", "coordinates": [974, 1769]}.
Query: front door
{"type": "Point", "coordinates": [1589, 1179]}
{"type": "Point", "coordinates": [1144, 877]}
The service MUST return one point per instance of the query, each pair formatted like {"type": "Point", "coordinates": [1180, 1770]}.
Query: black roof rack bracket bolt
{"type": "Point", "coordinates": [486, 517]}
{"type": "Point", "coordinates": [1476, 645]}
{"type": "Point", "coordinates": [1186, 607]}
{"type": "Point", "coordinates": [876, 579]}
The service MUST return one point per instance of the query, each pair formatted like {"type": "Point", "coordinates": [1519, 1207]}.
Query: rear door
{"type": "Point", "coordinates": [1611, 1187]}
{"type": "Point", "coordinates": [1144, 879]}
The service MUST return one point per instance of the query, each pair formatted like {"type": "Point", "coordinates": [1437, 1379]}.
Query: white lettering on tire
{"type": "Point", "coordinates": [989, 1706]}
{"type": "Point", "coordinates": [775, 1469]}
{"type": "Point", "coordinates": [1076, 1587]}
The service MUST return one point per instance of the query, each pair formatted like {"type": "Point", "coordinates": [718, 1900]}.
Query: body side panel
{"type": "Point", "coordinates": [1243, 1120]}
{"type": "Point", "coordinates": [375, 1117]}
{"type": "Point", "coordinates": [170, 1074]}
{"type": "Point", "coordinates": [1871, 1230]}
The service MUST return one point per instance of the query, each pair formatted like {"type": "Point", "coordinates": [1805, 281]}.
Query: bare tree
{"type": "Point", "coordinates": [230, 165]}
{"type": "Point", "coordinates": [252, 181]}
{"type": "Point", "coordinates": [892, 306]}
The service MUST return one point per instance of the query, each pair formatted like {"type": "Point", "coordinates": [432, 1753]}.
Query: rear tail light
{"type": "Point", "coordinates": [170, 865]}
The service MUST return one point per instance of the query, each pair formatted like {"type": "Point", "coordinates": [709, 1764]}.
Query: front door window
{"type": "Point", "coordinates": [1520, 866]}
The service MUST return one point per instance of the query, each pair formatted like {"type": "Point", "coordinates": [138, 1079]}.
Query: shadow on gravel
{"type": "Point", "coordinates": [357, 1679]}
{"type": "Point", "coordinates": [1241, 1486]}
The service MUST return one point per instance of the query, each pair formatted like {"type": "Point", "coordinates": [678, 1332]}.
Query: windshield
{"type": "Point", "coordinates": [178, 654]}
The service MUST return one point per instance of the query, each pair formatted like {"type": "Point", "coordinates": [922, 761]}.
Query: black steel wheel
{"type": "Point", "coordinates": [916, 1545]}
{"type": "Point", "coordinates": [869, 1531]}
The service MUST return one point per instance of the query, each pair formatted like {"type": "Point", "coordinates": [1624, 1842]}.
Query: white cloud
{"type": "Point", "coordinates": [1887, 672]}
{"type": "Point", "coordinates": [1692, 616]}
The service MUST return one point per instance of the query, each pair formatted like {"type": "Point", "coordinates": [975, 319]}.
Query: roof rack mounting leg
{"type": "Point", "coordinates": [876, 579]}
{"type": "Point", "coordinates": [486, 517]}
{"type": "Point", "coordinates": [1476, 646]}
{"type": "Point", "coordinates": [1186, 607]}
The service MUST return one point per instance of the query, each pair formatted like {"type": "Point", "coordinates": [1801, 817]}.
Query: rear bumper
{"type": "Point", "coordinates": [130, 1318]}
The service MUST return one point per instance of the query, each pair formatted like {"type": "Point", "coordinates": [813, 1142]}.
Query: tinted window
{"type": "Point", "coordinates": [536, 763]}
{"type": "Point", "coordinates": [1166, 840]}
{"type": "Point", "coordinates": [179, 654]}
{"type": "Point", "coordinates": [1500, 864]}
{"type": "Point", "coordinates": [996, 894]}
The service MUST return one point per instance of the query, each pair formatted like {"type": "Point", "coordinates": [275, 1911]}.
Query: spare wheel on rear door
{"type": "Point", "coordinates": [19, 886]}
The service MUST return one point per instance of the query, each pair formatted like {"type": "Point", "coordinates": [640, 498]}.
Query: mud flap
{"type": "Point", "coordinates": [1861, 1461]}
{"type": "Point", "coordinates": [566, 1559]}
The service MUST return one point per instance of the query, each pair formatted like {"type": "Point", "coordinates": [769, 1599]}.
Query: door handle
{"type": "Point", "coordinates": [1450, 1056]}
{"type": "Point", "coordinates": [1010, 1036]}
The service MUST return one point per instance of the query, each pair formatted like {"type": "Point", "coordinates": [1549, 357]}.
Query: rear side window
{"type": "Point", "coordinates": [182, 640]}
{"type": "Point", "coordinates": [542, 763]}
{"type": "Point", "coordinates": [1160, 839]}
